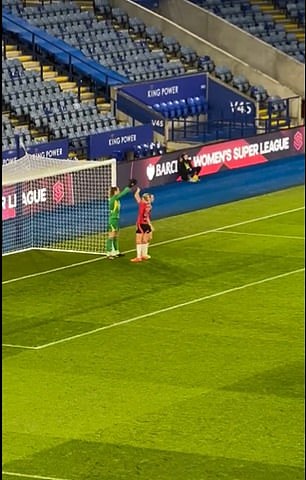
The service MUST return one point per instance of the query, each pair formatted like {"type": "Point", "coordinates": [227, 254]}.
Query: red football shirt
{"type": "Point", "coordinates": [144, 210]}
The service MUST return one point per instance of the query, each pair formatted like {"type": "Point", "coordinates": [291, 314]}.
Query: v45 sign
{"type": "Point", "coordinates": [243, 107]}
{"type": "Point", "coordinates": [224, 103]}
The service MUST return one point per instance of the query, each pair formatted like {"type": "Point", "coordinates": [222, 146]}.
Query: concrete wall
{"type": "Point", "coordinates": [274, 63]}
{"type": "Point", "coordinates": [203, 47]}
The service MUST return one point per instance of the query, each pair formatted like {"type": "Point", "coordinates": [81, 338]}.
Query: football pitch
{"type": "Point", "coordinates": [189, 366]}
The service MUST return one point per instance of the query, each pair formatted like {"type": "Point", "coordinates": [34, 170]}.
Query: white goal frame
{"type": "Point", "coordinates": [30, 204]}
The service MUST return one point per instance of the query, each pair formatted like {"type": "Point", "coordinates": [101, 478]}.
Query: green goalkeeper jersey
{"type": "Point", "coordinates": [114, 204]}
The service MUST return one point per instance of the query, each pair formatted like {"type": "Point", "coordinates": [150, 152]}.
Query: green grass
{"type": "Point", "coordinates": [212, 389]}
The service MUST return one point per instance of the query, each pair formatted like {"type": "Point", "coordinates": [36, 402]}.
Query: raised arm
{"type": "Point", "coordinates": [121, 194]}
{"type": "Point", "coordinates": [137, 196]}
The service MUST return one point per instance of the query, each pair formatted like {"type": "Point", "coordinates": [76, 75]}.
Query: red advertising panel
{"type": "Point", "coordinates": [37, 195]}
{"type": "Point", "coordinates": [229, 155]}
{"type": "Point", "coordinates": [9, 201]}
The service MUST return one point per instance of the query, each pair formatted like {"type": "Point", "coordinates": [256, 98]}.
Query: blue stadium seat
{"type": "Point", "coordinates": [177, 108]}
{"type": "Point", "coordinates": [206, 64]}
{"type": "Point", "coordinates": [184, 107]}
{"type": "Point", "coordinates": [188, 55]}
{"type": "Point", "coordinates": [164, 109]}
{"type": "Point", "coordinates": [241, 83]}
{"type": "Point", "coordinates": [171, 110]}
{"type": "Point", "coordinates": [223, 73]}
{"type": "Point", "coordinates": [170, 45]}
{"type": "Point", "coordinates": [136, 26]}
{"type": "Point", "coordinates": [153, 35]}
{"type": "Point", "coordinates": [192, 108]}
{"type": "Point", "coordinates": [259, 93]}
{"type": "Point", "coordinates": [276, 104]}
{"type": "Point", "coordinates": [198, 105]}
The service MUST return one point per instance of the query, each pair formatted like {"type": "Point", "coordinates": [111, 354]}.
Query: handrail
{"type": "Point", "coordinates": [94, 69]}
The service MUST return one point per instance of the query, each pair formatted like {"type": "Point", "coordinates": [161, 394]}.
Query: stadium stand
{"type": "Point", "coordinates": [279, 23]}
{"type": "Point", "coordinates": [57, 106]}
{"type": "Point", "coordinates": [50, 111]}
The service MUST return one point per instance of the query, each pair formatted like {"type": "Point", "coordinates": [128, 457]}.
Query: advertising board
{"type": "Point", "coordinates": [37, 195]}
{"type": "Point", "coordinates": [213, 158]}
{"type": "Point", "coordinates": [169, 89]}
{"type": "Point", "coordinates": [54, 149]}
{"type": "Point", "coordinates": [228, 105]}
{"type": "Point", "coordinates": [123, 139]}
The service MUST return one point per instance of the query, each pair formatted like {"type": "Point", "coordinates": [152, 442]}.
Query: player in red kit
{"type": "Point", "coordinates": [144, 227]}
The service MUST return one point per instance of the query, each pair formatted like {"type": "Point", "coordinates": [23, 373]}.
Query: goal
{"type": "Point", "coordinates": [55, 204]}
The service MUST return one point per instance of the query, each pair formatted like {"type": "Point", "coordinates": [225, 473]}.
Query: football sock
{"type": "Point", "coordinates": [139, 250]}
{"type": "Point", "coordinates": [116, 244]}
{"type": "Point", "coordinates": [145, 247]}
{"type": "Point", "coordinates": [109, 245]}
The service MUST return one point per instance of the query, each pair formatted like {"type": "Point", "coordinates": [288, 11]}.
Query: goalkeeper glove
{"type": "Point", "coordinates": [132, 182]}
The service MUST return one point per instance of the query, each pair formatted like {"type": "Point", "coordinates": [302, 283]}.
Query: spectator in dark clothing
{"type": "Point", "coordinates": [186, 170]}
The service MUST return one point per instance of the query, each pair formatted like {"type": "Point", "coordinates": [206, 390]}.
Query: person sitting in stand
{"type": "Point", "coordinates": [186, 170]}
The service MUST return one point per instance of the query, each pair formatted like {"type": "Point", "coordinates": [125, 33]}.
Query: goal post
{"type": "Point", "coordinates": [56, 204]}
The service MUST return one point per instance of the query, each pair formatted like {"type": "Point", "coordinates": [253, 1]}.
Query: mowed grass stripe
{"type": "Point", "coordinates": [157, 244]}
{"type": "Point", "coordinates": [170, 308]}
{"type": "Point", "coordinates": [150, 314]}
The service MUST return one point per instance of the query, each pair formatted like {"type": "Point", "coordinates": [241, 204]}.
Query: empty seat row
{"type": "Point", "coordinates": [182, 108]}
{"type": "Point", "coordinates": [50, 8]}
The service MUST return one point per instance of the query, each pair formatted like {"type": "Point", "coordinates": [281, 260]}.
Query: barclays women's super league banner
{"type": "Point", "coordinates": [234, 154]}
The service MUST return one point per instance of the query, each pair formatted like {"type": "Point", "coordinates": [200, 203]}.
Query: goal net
{"type": "Point", "coordinates": [56, 204]}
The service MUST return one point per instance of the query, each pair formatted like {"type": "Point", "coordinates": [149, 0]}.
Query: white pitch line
{"type": "Point", "coordinates": [168, 309]}
{"type": "Point", "coordinates": [186, 237]}
{"type": "Point", "coordinates": [26, 475]}
{"type": "Point", "coordinates": [18, 346]}
{"type": "Point", "coordinates": [45, 272]}
{"type": "Point", "coordinates": [295, 237]}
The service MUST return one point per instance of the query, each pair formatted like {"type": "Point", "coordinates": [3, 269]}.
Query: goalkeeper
{"type": "Point", "coordinates": [112, 243]}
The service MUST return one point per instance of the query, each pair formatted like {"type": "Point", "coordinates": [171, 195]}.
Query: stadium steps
{"type": "Point", "coordinates": [279, 17]}
{"type": "Point", "coordinates": [281, 123]}
{"type": "Point", "coordinates": [15, 121]}
{"type": "Point", "coordinates": [85, 5]}
{"type": "Point", "coordinates": [11, 51]}
{"type": "Point", "coordinates": [50, 74]}
{"type": "Point", "coordinates": [86, 96]}
{"type": "Point", "coordinates": [263, 114]}
{"type": "Point", "coordinates": [19, 123]}
{"type": "Point", "coordinates": [102, 105]}
{"type": "Point", "coordinates": [275, 120]}
{"type": "Point", "coordinates": [41, 138]}
{"type": "Point", "coordinates": [65, 84]}
{"type": "Point", "coordinates": [47, 72]}
{"type": "Point", "coordinates": [12, 54]}
{"type": "Point", "coordinates": [263, 4]}
{"type": "Point", "coordinates": [29, 64]}
{"type": "Point", "coordinates": [70, 86]}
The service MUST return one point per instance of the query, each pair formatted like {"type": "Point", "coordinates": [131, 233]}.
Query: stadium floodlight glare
{"type": "Point", "coordinates": [55, 204]}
